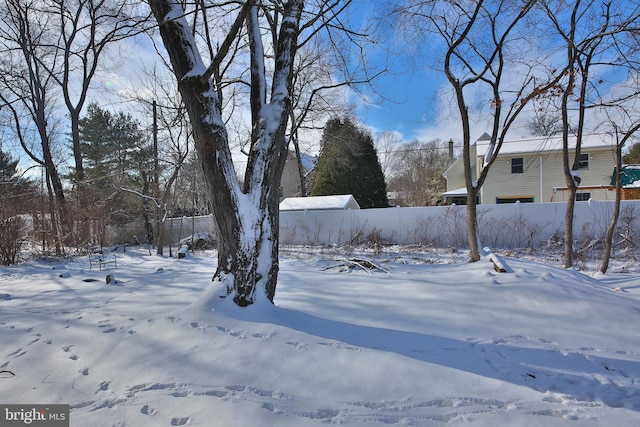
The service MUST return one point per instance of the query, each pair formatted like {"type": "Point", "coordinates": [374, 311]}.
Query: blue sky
{"type": "Point", "coordinates": [409, 104]}
{"type": "Point", "coordinates": [412, 109]}
{"type": "Point", "coordinates": [414, 105]}
{"type": "Point", "coordinates": [422, 106]}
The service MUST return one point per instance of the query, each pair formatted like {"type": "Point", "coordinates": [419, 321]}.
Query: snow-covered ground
{"type": "Point", "coordinates": [421, 344]}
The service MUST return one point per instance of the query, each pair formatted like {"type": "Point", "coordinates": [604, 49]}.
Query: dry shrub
{"type": "Point", "coordinates": [10, 239]}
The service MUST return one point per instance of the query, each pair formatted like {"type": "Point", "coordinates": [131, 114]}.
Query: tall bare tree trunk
{"type": "Point", "coordinates": [55, 228]}
{"type": "Point", "coordinates": [53, 179]}
{"type": "Point", "coordinates": [568, 230]}
{"type": "Point", "coordinates": [247, 221]}
{"type": "Point", "coordinates": [608, 242]}
{"type": "Point", "coordinates": [472, 226]}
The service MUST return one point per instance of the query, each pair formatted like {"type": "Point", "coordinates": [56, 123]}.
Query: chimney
{"type": "Point", "coordinates": [450, 148]}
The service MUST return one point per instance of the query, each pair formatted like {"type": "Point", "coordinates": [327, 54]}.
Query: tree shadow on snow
{"type": "Point", "coordinates": [582, 376]}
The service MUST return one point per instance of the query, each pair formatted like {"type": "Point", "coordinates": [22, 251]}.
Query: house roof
{"type": "Point", "coordinates": [346, 201]}
{"type": "Point", "coordinates": [546, 144]}
{"type": "Point", "coordinates": [458, 192]}
{"type": "Point", "coordinates": [630, 177]}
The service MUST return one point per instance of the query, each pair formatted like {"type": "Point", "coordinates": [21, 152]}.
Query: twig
{"type": "Point", "coordinates": [364, 264]}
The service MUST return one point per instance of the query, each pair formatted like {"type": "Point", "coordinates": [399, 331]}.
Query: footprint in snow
{"type": "Point", "coordinates": [147, 410]}
{"type": "Point", "coordinates": [180, 421]}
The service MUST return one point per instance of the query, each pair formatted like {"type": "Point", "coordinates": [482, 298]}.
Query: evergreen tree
{"type": "Point", "coordinates": [111, 145]}
{"type": "Point", "coordinates": [633, 156]}
{"type": "Point", "coordinates": [10, 188]}
{"type": "Point", "coordinates": [115, 159]}
{"type": "Point", "coordinates": [8, 168]}
{"type": "Point", "coordinates": [348, 164]}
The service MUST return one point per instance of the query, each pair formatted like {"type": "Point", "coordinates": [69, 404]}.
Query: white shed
{"type": "Point", "coordinates": [315, 203]}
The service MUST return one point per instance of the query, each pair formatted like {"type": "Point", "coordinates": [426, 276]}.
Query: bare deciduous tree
{"type": "Point", "coordinates": [62, 44]}
{"type": "Point", "coordinates": [418, 173]}
{"type": "Point", "coordinates": [388, 144]}
{"type": "Point", "coordinates": [246, 215]}
{"type": "Point", "coordinates": [26, 90]}
{"type": "Point", "coordinates": [172, 139]}
{"type": "Point", "coordinates": [622, 136]}
{"type": "Point", "coordinates": [482, 42]}
{"type": "Point", "coordinates": [83, 29]}
{"type": "Point", "coordinates": [591, 32]}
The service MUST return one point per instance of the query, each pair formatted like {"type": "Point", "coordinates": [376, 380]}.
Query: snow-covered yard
{"type": "Point", "coordinates": [421, 344]}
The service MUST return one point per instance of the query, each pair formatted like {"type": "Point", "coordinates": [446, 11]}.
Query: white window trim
{"type": "Point", "coordinates": [588, 161]}
{"type": "Point", "coordinates": [511, 165]}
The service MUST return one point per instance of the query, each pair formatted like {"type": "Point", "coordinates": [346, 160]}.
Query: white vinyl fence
{"type": "Point", "coordinates": [518, 225]}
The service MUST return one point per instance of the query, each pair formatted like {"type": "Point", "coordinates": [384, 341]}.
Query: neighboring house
{"type": "Point", "coordinates": [290, 181]}
{"type": "Point", "coordinates": [340, 202]}
{"type": "Point", "coordinates": [531, 170]}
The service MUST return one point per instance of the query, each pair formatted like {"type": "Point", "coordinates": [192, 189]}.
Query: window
{"type": "Point", "coordinates": [583, 197]}
{"type": "Point", "coordinates": [584, 161]}
{"type": "Point", "coordinates": [522, 199]}
{"type": "Point", "coordinates": [517, 165]}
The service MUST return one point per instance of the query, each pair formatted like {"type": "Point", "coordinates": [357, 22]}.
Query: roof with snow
{"type": "Point", "coordinates": [546, 144]}
{"type": "Point", "coordinates": [338, 202]}
{"type": "Point", "coordinates": [457, 192]}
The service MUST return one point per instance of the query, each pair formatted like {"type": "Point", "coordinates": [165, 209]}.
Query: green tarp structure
{"type": "Point", "coordinates": [630, 176]}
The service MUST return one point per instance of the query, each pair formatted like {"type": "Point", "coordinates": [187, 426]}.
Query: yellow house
{"type": "Point", "coordinates": [531, 170]}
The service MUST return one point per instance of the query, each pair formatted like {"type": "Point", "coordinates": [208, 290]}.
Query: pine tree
{"type": "Point", "coordinates": [8, 167]}
{"type": "Point", "coordinates": [10, 187]}
{"type": "Point", "coordinates": [633, 156]}
{"type": "Point", "coordinates": [111, 144]}
{"type": "Point", "coordinates": [116, 165]}
{"type": "Point", "coordinates": [348, 164]}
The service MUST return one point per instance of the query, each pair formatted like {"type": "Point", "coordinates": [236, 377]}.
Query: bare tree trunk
{"type": "Point", "coordinates": [568, 230]}
{"type": "Point", "coordinates": [148, 226]}
{"type": "Point", "coordinates": [608, 242]}
{"type": "Point", "coordinates": [161, 209]}
{"type": "Point", "coordinates": [55, 228]}
{"type": "Point", "coordinates": [53, 179]}
{"type": "Point", "coordinates": [247, 221]}
{"type": "Point", "coordinates": [472, 225]}
{"type": "Point", "coordinates": [462, 46]}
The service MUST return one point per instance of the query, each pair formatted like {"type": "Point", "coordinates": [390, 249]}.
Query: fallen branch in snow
{"type": "Point", "coordinates": [349, 263]}
{"type": "Point", "coordinates": [8, 372]}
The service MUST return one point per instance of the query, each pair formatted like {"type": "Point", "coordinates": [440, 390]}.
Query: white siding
{"type": "Point", "coordinates": [542, 173]}
{"type": "Point", "coordinates": [455, 175]}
